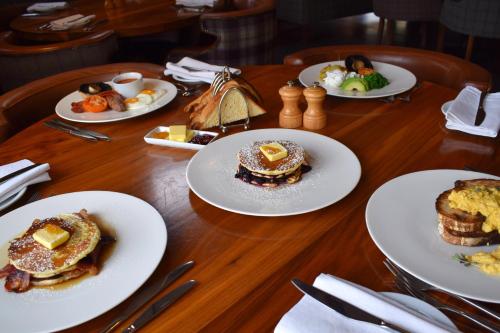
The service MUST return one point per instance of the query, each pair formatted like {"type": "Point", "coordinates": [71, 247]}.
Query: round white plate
{"type": "Point", "coordinates": [141, 239]}
{"type": "Point", "coordinates": [12, 199]}
{"type": "Point", "coordinates": [402, 222]}
{"type": "Point", "coordinates": [335, 173]}
{"type": "Point", "coordinates": [420, 306]}
{"type": "Point", "coordinates": [63, 108]}
{"type": "Point", "coordinates": [400, 80]}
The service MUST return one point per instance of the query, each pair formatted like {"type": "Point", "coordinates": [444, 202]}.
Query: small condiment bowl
{"type": "Point", "coordinates": [128, 84]}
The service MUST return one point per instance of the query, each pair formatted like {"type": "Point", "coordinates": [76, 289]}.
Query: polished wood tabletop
{"type": "Point", "coordinates": [244, 264]}
{"type": "Point", "coordinates": [128, 18]}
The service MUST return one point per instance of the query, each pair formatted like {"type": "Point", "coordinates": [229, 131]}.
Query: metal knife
{"type": "Point", "coordinates": [147, 294]}
{"type": "Point", "coordinates": [18, 172]}
{"type": "Point", "coordinates": [341, 306]}
{"type": "Point", "coordinates": [480, 110]}
{"type": "Point", "coordinates": [70, 131]}
{"type": "Point", "coordinates": [156, 308]}
{"type": "Point", "coordinates": [81, 130]}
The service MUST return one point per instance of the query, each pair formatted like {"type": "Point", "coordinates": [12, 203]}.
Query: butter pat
{"type": "Point", "coordinates": [177, 133]}
{"type": "Point", "coordinates": [51, 236]}
{"type": "Point", "coordinates": [273, 151]}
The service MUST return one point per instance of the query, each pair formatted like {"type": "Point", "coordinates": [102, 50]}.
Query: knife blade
{"type": "Point", "coordinates": [18, 172]}
{"type": "Point", "coordinates": [98, 135]}
{"type": "Point", "coordinates": [148, 293]}
{"type": "Point", "coordinates": [341, 306]}
{"type": "Point", "coordinates": [70, 131]}
{"type": "Point", "coordinates": [480, 114]}
{"type": "Point", "coordinates": [156, 308]}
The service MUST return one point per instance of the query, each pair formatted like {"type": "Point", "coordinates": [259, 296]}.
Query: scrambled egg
{"type": "Point", "coordinates": [487, 262]}
{"type": "Point", "coordinates": [482, 199]}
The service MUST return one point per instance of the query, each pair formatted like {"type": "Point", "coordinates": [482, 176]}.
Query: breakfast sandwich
{"type": "Point", "coordinates": [271, 163]}
{"type": "Point", "coordinates": [469, 214]}
{"type": "Point", "coordinates": [54, 250]}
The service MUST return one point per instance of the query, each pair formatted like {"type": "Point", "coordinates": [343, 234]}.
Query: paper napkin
{"type": "Point", "coordinates": [192, 69]}
{"type": "Point", "coordinates": [311, 316]}
{"type": "Point", "coordinates": [46, 6]}
{"type": "Point", "coordinates": [71, 22]}
{"type": "Point", "coordinates": [195, 3]}
{"type": "Point", "coordinates": [16, 184]}
{"type": "Point", "coordinates": [462, 113]}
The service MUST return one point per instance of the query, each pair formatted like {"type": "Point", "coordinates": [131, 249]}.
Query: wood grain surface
{"type": "Point", "coordinates": [244, 264]}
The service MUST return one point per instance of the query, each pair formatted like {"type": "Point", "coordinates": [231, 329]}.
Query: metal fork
{"type": "Point", "coordinates": [404, 286]}
{"type": "Point", "coordinates": [424, 286]}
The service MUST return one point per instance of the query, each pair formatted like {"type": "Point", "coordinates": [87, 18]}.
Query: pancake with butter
{"type": "Point", "coordinates": [256, 165]}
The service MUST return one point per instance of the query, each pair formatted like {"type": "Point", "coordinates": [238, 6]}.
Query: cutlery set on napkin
{"type": "Point", "coordinates": [192, 70]}
{"type": "Point", "coordinates": [469, 107]}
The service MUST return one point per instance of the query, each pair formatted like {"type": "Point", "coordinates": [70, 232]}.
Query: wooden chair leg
{"type": "Point", "coordinates": [380, 32]}
{"type": "Point", "coordinates": [390, 31]}
{"type": "Point", "coordinates": [470, 45]}
{"type": "Point", "coordinates": [440, 38]}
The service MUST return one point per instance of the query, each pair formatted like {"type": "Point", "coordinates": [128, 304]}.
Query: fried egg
{"type": "Point", "coordinates": [154, 93]}
{"type": "Point", "coordinates": [140, 101]}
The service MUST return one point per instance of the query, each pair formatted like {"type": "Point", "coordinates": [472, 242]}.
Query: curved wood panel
{"type": "Point", "coordinates": [242, 8]}
{"type": "Point", "coordinates": [244, 264]}
{"type": "Point", "coordinates": [432, 66]}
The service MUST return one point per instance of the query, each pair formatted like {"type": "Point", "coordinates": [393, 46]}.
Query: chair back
{"type": "Point", "coordinates": [472, 17]}
{"type": "Point", "coordinates": [408, 10]}
{"type": "Point", "coordinates": [430, 66]}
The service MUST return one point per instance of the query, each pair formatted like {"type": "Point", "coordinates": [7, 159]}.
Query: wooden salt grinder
{"type": "Point", "coordinates": [315, 116]}
{"type": "Point", "coordinates": [290, 115]}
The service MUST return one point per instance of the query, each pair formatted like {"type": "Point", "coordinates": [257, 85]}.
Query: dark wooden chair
{"type": "Point", "coordinates": [427, 65]}
{"type": "Point", "coordinates": [19, 108]}
{"type": "Point", "coordinates": [21, 63]}
{"type": "Point", "coordinates": [203, 44]}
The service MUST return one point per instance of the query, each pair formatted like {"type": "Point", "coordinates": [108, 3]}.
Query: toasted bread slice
{"type": "Point", "coordinates": [474, 238]}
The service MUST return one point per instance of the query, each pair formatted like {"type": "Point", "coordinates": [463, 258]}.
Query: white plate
{"type": "Point", "coordinates": [175, 144]}
{"type": "Point", "coordinates": [400, 80]}
{"type": "Point", "coordinates": [402, 221]}
{"type": "Point", "coordinates": [141, 240]}
{"type": "Point", "coordinates": [63, 108]}
{"type": "Point", "coordinates": [420, 306]}
{"type": "Point", "coordinates": [12, 199]}
{"type": "Point", "coordinates": [335, 173]}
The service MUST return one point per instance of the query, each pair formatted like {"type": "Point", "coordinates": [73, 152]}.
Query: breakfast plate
{"type": "Point", "coordinates": [335, 173]}
{"type": "Point", "coordinates": [128, 266]}
{"type": "Point", "coordinates": [12, 199]}
{"type": "Point", "coordinates": [63, 108]}
{"type": "Point", "coordinates": [400, 80]}
{"type": "Point", "coordinates": [402, 221]}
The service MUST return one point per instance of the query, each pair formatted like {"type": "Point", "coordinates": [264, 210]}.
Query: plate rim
{"type": "Point", "coordinates": [303, 82]}
{"type": "Point", "coordinates": [168, 84]}
{"type": "Point", "coordinates": [299, 212]}
{"type": "Point", "coordinates": [12, 199]}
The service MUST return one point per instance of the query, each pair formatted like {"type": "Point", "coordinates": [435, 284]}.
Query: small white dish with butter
{"type": "Point", "coordinates": [178, 136]}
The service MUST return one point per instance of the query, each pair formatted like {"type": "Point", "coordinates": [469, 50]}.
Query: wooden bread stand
{"type": "Point", "coordinates": [315, 116]}
{"type": "Point", "coordinates": [291, 115]}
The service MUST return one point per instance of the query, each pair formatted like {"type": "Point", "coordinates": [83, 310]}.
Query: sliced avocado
{"type": "Point", "coordinates": [354, 83]}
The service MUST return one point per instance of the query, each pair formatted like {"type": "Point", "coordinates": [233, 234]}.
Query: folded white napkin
{"type": "Point", "coordinates": [311, 316]}
{"type": "Point", "coordinates": [195, 3]}
{"type": "Point", "coordinates": [47, 6]}
{"type": "Point", "coordinates": [192, 69]}
{"type": "Point", "coordinates": [71, 22]}
{"type": "Point", "coordinates": [462, 113]}
{"type": "Point", "coordinates": [16, 184]}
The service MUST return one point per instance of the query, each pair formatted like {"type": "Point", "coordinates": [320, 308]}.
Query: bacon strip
{"type": "Point", "coordinates": [18, 281]}
{"type": "Point", "coordinates": [4, 272]}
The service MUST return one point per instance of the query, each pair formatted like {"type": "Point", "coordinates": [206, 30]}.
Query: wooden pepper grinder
{"type": "Point", "coordinates": [315, 116]}
{"type": "Point", "coordinates": [290, 115]}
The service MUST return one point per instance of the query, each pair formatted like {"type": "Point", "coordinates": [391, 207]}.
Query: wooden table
{"type": "Point", "coordinates": [127, 18]}
{"type": "Point", "coordinates": [244, 264]}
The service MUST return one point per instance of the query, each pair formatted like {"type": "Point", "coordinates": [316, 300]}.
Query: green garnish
{"type": "Point", "coordinates": [375, 81]}
{"type": "Point", "coordinates": [461, 258]}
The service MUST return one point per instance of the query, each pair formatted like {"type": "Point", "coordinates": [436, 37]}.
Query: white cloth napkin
{"type": "Point", "coordinates": [192, 69]}
{"type": "Point", "coordinates": [16, 184]}
{"type": "Point", "coordinates": [47, 6]}
{"type": "Point", "coordinates": [71, 22]}
{"type": "Point", "coordinates": [195, 3]}
{"type": "Point", "coordinates": [311, 316]}
{"type": "Point", "coordinates": [462, 113]}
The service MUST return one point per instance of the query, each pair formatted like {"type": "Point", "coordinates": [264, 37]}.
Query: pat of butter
{"type": "Point", "coordinates": [177, 133]}
{"type": "Point", "coordinates": [273, 151]}
{"type": "Point", "coordinates": [51, 236]}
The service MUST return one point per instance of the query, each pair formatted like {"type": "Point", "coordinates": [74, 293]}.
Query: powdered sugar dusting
{"type": "Point", "coordinates": [249, 155]}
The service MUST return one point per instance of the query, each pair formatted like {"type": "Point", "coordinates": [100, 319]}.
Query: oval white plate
{"type": "Point", "coordinates": [12, 199]}
{"type": "Point", "coordinates": [63, 108]}
{"type": "Point", "coordinates": [400, 80]}
{"type": "Point", "coordinates": [335, 173]}
{"type": "Point", "coordinates": [402, 221]}
{"type": "Point", "coordinates": [141, 239]}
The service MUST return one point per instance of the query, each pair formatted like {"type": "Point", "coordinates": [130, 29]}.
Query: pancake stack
{"type": "Point", "coordinates": [33, 264]}
{"type": "Point", "coordinates": [256, 169]}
